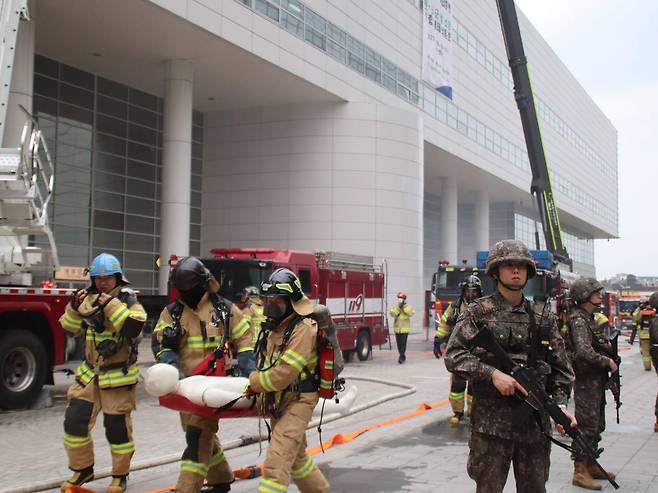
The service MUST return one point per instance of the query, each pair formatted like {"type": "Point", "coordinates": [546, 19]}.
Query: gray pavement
{"type": "Point", "coordinates": [422, 453]}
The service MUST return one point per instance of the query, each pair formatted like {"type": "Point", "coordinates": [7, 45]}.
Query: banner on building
{"type": "Point", "coordinates": [437, 45]}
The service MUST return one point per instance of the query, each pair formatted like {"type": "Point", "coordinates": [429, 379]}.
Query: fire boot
{"type": "Point", "coordinates": [79, 478]}
{"type": "Point", "coordinates": [655, 427]}
{"type": "Point", "coordinates": [118, 484]}
{"type": "Point", "coordinates": [582, 478]}
{"type": "Point", "coordinates": [216, 488]}
{"type": "Point", "coordinates": [456, 419]}
{"type": "Point", "coordinates": [596, 474]}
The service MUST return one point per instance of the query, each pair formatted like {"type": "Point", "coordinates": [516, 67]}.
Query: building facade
{"type": "Point", "coordinates": [182, 125]}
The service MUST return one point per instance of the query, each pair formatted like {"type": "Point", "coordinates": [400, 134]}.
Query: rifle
{"type": "Point", "coordinates": [538, 399]}
{"type": "Point", "coordinates": [614, 382]}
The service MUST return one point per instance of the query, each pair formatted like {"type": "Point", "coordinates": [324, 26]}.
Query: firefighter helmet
{"type": "Point", "coordinates": [189, 273]}
{"type": "Point", "coordinates": [249, 292]}
{"type": "Point", "coordinates": [583, 288]}
{"type": "Point", "coordinates": [402, 295]}
{"type": "Point", "coordinates": [472, 282]}
{"type": "Point", "coordinates": [284, 282]}
{"type": "Point", "coordinates": [105, 264]}
{"type": "Point", "coordinates": [653, 300]}
{"type": "Point", "coordinates": [510, 251]}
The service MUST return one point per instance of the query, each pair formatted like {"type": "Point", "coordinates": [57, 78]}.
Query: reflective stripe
{"type": "Point", "coordinates": [329, 364]}
{"type": "Point", "coordinates": [72, 441]}
{"type": "Point", "coordinates": [122, 448]}
{"type": "Point", "coordinates": [92, 335]}
{"type": "Point", "coordinates": [270, 486]}
{"type": "Point", "coordinates": [265, 381]}
{"type": "Point", "coordinates": [161, 325]}
{"type": "Point", "coordinates": [294, 359]}
{"type": "Point", "coordinates": [116, 378]}
{"type": "Point", "coordinates": [84, 373]}
{"type": "Point", "coordinates": [456, 395]}
{"type": "Point", "coordinates": [194, 467]}
{"type": "Point", "coordinates": [326, 384]}
{"type": "Point", "coordinates": [157, 355]}
{"type": "Point", "coordinates": [69, 322]}
{"type": "Point", "coordinates": [305, 470]}
{"type": "Point", "coordinates": [443, 332]}
{"type": "Point", "coordinates": [119, 316]}
{"type": "Point", "coordinates": [240, 329]}
{"type": "Point", "coordinates": [197, 342]}
{"type": "Point", "coordinates": [216, 459]}
{"type": "Point", "coordinates": [245, 348]}
{"type": "Point", "coordinates": [137, 314]}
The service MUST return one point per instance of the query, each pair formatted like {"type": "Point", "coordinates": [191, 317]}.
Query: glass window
{"type": "Point", "coordinates": [373, 73]}
{"type": "Point", "coordinates": [315, 21]}
{"type": "Point", "coordinates": [44, 106]}
{"type": "Point", "coordinates": [45, 86]}
{"type": "Point", "coordinates": [108, 239]}
{"type": "Point", "coordinates": [111, 107]}
{"type": "Point", "coordinates": [74, 156]}
{"type": "Point", "coordinates": [73, 114]}
{"type": "Point", "coordinates": [140, 206]}
{"type": "Point", "coordinates": [139, 224]}
{"type": "Point", "coordinates": [195, 248]}
{"type": "Point", "coordinates": [142, 134]}
{"type": "Point", "coordinates": [196, 199]}
{"type": "Point", "coordinates": [108, 220]}
{"type": "Point", "coordinates": [141, 170]}
{"type": "Point", "coordinates": [315, 38]}
{"type": "Point", "coordinates": [139, 242]}
{"type": "Point", "coordinates": [142, 116]}
{"type": "Point", "coordinates": [109, 144]}
{"type": "Point", "coordinates": [76, 76]}
{"type": "Point", "coordinates": [356, 63]}
{"type": "Point", "coordinates": [139, 188]}
{"type": "Point", "coordinates": [373, 58]}
{"type": "Point", "coordinates": [267, 9]}
{"type": "Point", "coordinates": [389, 83]}
{"type": "Point", "coordinates": [197, 166]}
{"type": "Point", "coordinates": [195, 215]}
{"type": "Point", "coordinates": [109, 182]}
{"type": "Point", "coordinates": [355, 47]}
{"type": "Point", "coordinates": [197, 118]}
{"type": "Point", "coordinates": [141, 279]}
{"type": "Point", "coordinates": [71, 215]}
{"type": "Point", "coordinates": [106, 162]}
{"type": "Point", "coordinates": [73, 135]}
{"type": "Point", "coordinates": [292, 24]}
{"type": "Point", "coordinates": [389, 68]}
{"type": "Point", "coordinates": [294, 7]}
{"type": "Point", "coordinates": [336, 51]}
{"type": "Point", "coordinates": [108, 201]}
{"type": "Point", "coordinates": [195, 231]}
{"type": "Point", "coordinates": [112, 88]}
{"type": "Point", "coordinates": [139, 261]}
{"type": "Point", "coordinates": [139, 98]}
{"type": "Point", "coordinates": [46, 66]}
{"type": "Point", "coordinates": [111, 126]}
{"type": "Point", "coordinates": [197, 150]}
{"type": "Point", "coordinates": [338, 35]}
{"type": "Point", "coordinates": [196, 182]}
{"type": "Point", "coordinates": [141, 152]}
{"type": "Point", "coordinates": [76, 96]}
{"type": "Point", "coordinates": [197, 134]}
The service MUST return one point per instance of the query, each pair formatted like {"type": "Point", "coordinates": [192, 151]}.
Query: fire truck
{"type": "Point", "coordinates": [351, 286]}
{"type": "Point", "coordinates": [628, 302]}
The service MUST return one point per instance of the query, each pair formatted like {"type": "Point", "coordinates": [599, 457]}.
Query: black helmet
{"type": "Point", "coordinates": [284, 282]}
{"type": "Point", "coordinates": [189, 273]}
{"type": "Point", "coordinates": [472, 282]}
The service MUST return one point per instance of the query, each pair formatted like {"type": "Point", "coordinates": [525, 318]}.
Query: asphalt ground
{"type": "Point", "coordinates": [393, 449]}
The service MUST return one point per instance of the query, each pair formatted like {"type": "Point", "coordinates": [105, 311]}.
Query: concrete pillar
{"type": "Point", "coordinates": [176, 165]}
{"type": "Point", "coordinates": [22, 82]}
{"type": "Point", "coordinates": [482, 220]}
{"type": "Point", "coordinates": [449, 232]}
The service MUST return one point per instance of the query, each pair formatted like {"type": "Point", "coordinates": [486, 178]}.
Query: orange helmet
{"type": "Point", "coordinates": [402, 295]}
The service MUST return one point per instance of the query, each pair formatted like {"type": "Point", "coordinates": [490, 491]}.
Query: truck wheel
{"type": "Point", "coordinates": [23, 368]}
{"type": "Point", "coordinates": [363, 345]}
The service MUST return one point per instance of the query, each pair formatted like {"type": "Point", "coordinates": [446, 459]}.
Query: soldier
{"type": "Point", "coordinates": [188, 331]}
{"type": "Point", "coordinates": [402, 313]}
{"type": "Point", "coordinates": [287, 381]}
{"type": "Point", "coordinates": [653, 301]}
{"type": "Point", "coordinates": [524, 331]}
{"type": "Point", "coordinates": [471, 290]}
{"type": "Point", "coordinates": [591, 355]}
{"type": "Point", "coordinates": [111, 319]}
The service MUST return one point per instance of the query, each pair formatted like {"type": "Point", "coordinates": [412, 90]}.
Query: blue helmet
{"type": "Point", "coordinates": [106, 265]}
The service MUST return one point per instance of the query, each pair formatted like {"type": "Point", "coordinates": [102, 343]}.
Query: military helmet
{"type": "Point", "coordinates": [653, 300]}
{"type": "Point", "coordinates": [189, 273]}
{"type": "Point", "coordinates": [510, 251]}
{"type": "Point", "coordinates": [583, 288]}
{"type": "Point", "coordinates": [284, 282]}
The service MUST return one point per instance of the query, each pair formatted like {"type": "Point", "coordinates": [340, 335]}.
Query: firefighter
{"type": "Point", "coordinates": [635, 320]}
{"type": "Point", "coordinates": [471, 290]}
{"type": "Point", "coordinates": [646, 314]}
{"type": "Point", "coordinates": [253, 310]}
{"type": "Point", "coordinates": [110, 318]}
{"type": "Point", "coordinates": [188, 331]}
{"type": "Point", "coordinates": [287, 382]}
{"type": "Point", "coordinates": [592, 358]}
{"type": "Point", "coordinates": [653, 339]}
{"type": "Point", "coordinates": [402, 313]}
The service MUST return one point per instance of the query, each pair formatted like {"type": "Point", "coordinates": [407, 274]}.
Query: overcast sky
{"type": "Point", "coordinates": [611, 48]}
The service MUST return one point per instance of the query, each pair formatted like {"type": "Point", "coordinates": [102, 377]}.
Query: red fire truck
{"type": "Point", "coordinates": [351, 286]}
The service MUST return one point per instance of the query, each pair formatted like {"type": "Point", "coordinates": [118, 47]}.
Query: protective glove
{"type": "Point", "coordinates": [438, 347]}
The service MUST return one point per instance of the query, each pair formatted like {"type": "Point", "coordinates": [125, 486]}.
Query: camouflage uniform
{"type": "Point", "coordinates": [590, 352]}
{"type": "Point", "coordinates": [654, 347]}
{"type": "Point", "coordinates": [495, 439]}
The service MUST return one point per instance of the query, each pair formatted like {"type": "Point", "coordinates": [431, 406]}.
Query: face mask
{"type": "Point", "coordinates": [193, 296]}
{"type": "Point", "coordinates": [275, 314]}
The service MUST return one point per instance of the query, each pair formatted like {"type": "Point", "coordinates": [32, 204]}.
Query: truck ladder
{"type": "Point", "coordinates": [11, 12]}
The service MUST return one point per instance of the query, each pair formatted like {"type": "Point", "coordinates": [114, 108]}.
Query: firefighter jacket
{"type": "Point", "coordinates": [289, 365]}
{"type": "Point", "coordinates": [254, 313]}
{"type": "Point", "coordinates": [110, 351]}
{"type": "Point", "coordinates": [201, 333]}
{"type": "Point", "coordinates": [644, 319]}
{"type": "Point", "coordinates": [587, 343]}
{"type": "Point", "coordinates": [402, 314]}
{"type": "Point", "coordinates": [449, 320]}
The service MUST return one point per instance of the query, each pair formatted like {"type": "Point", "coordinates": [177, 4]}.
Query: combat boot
{"type": "Point", "coordinates": [78, 478]}
{"type": "Point", "coordinates": [655, 426]}
{"type": "Point", "coordinates": [118, 484]}
{"type": "Point", "coordinates": [454, 421]}
{"type": "Point", "coordinates": [216, 488]}
{"type": "Point", "coordinates": [596, 473]}
{"type": "Point", "coordinates": [582, 478]}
